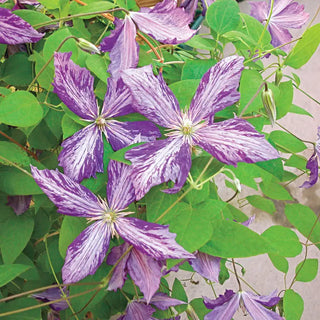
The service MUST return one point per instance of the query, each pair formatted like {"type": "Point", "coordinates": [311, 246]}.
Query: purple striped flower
{"type": "Point", "coordinates": [165, 22]}
{"type": "Point", "coordinates": [108, 218]}
{"type": "Point", "coordinates": [229, 141]}
{"type": "Point", "coordinates": [286, 14]}
{"type": "Point", "coordinates": [51, 295]}
{"type": "Point", "coordinates": [225, 306]}
{"type": "Point", "coordinates": [82, 154]}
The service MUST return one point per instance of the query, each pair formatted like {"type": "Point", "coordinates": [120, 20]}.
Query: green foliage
{"type": "Point", "coordinates": [279, 262]}
{"type": "Point", "coordinates": [293, 305]}
{"type": "Point", "coordinates": [10, 271]}
{"type": "Point", "coordinates": [262, 203]}
{"type": "Point", "coordinates": [180, 294]}
{"type": "Point", "coordinates": [307, 270]}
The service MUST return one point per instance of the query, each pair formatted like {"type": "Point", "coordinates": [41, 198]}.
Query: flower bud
{"type": "Point", "coordinates": [269, 104]}
{"type": "Point", "coordinates": [87, 46]}
{"type": "Point", "coordinates": [278, 77]}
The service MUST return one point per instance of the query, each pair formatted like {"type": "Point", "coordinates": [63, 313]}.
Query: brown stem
{"type": "Point", "coordinates": [48, 236]}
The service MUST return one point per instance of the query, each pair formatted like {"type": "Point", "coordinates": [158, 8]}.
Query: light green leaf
{"type": "Point", "coordinates": [299, 110]}
{"type": "Point", "coordinates": [279, 262]}
{"type": "Point", "coordinates": [275, 191]}
{"type": "Point", "coordinates": [201, 43]}
{"type": "Point", "coordinates": [98, 65]}
{"type": "Point", "coordinates": [31, 16]}
{"type": "Point", "coordinates": [93, 7]}
{"type": "Point", "coordinates": [293, 305]}
{"type": "Point", "coordinates": [179, 293]}
{"type": "Point", "coordinates": [184, 91]}
{"type": "Point", "coordinates": [296, 161]}
{"type": "Point", "coordinates": [13, 153]}
{"type": "Point", "coordinates": [50, 4]}
{"type": "Point", "coordinates": [261, 203]}
{"type": "Point", "coordinates": [287, 142]}
{"type": "Point", "coordinates": [195, 69]}
{"type": "Point", "coordinates": [284, 99]}
{"type": "Point", "coordinates": [10, 271]}
{"type": "Point", "coordinates": [307, 270]}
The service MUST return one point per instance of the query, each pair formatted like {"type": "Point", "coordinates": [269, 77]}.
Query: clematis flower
{"type": "Point", "coordinates": [206, 4]}
{"type": "Point", "coordinates": [82, 154]}
{"type": "Point", "coordinates": [165, 22]}
{"type": "Point", "coordinates": [285, 14]}
{"type": "Point", "coordinates": [19, 204]}
{"type": "Point", "coordinates": [108, 218]}
{"type": "Point", "coordinates": [225, 306]}
{"type": "Point", "coordinates": [229, 141]}
{"type": "Point", "coordinates": [14, 30]}
{"type": "Point", "coordinates": [51, 295]}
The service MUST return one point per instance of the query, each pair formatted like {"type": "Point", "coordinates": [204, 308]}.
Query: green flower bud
{"type": "Point", "coordinates": [278, 77]}
{"type": "Point", "coordinates": [87, 46]}
{"type": "Point", "coordinates": [269, 104]}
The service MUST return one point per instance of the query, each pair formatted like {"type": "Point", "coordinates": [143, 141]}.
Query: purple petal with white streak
{"type": "Point", "coordinates": [152, 97]}
{"type": "Point", "coordinates": [124, 50]}
{"type": "Point", "coordinates": [82, 154]}
{"type": "Point", "coordinates": [19, 204]}
{"type": "Point", "coordinates": [163, 301]}
{"type": "Point", "coordinates": [122, 134]}
{"type": "Point", "coordinates": [51, 295]}
{"type": "Point", "coordinates": [313, 166]}
{"type": "Point", "coordinates": [217, 89]}
{"type": "Point", "coordinates": [14, 30]}
{"type": "Point", "coordinates": [259, 10]}
{"type": "Point", "coordinates": [86, 252]}
{"type": "Point", "coordinates": [206, 265]}
{"type": "Point", "coordinates": [74, 86]}
{"type": "Point", "coordinates": [117, 101]}
{"type": "Point", "coordinates": [120, 191]}
{"type": "Point", "coordinates": [138, 311]}
{"type": "Point", "coordinates": [145, 271]}
{"type": "Point", "coordinates": [70, 197]}
{"type": "Point", "coordinates": [165, 22]}
{"type": "Point", "coordinates": [152, 239]}
{"type": "Point", "coordinates": [190, 7]}
{"type": "Point", "coordinates": [233, 141]}
{"type": "Point", "coordinates": [279, 36]}
{"type": "Point", "coordinates": [156, 162]}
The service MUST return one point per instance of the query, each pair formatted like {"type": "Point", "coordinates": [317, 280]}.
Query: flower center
{"type": "Point", "coordinates": [101, 122]}
{"type": "Point", "coordinates": [187, 128]}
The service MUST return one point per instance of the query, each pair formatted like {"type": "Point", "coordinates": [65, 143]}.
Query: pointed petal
{"type": "Point", "coordinates": [233, 141]}
{"type": "Point", "coordinates": [165, 22]}
{"type": "Point", "coordinates": [70, 197]}
{"type": "Point", "coordinates": [138, 311]}
{"type": "Point", "coordinates": [74, 86]}
{"type": "Point", "coordinates": [124, 50]}
{"type": "Point", "coordinates": [119, 274]}
{"type": "Point", "coordinates": [152, 97]}
{"type": "Point", "coordinates": [222, 299]}
{"type": "Point", "coordinates": [156, 162]}
{"type": "Point", "coordinates": [163, 301]}
{"type": "Point", "coordinates": [19, 204]}
{"type": "Point", "coordinates": [82, 154]}
{"type": "Point", "coordinates": [259, 10]}
{"type": "Point", "coordinates": [217, 89]}
{"type": "Point", "coordinates": [279, 36]}
{"type": "Point", "coordinates": [122, 134]}
{"type": "Point", "coordinates": [145, 271]}
{"type": "Point", "coordinates": [206, 265]}
{"type": "Point", "coordinates": [312, 165]}
{"type": "Point", "coordinates": [86, 252]}
{"type": "Point", "coordinates": [14, 30]}
{"type": "Point", "coordinates": [152, 239]}
{"type": "Point", "coordinates": [117, 101]}
{"type": "Point", "coordinates": [120, 191]}
{"type": "Point", "coordinates": [269, 301]}
{"type": "Point", "coordinates": [51, 295]}
{"type": "Point", "coordinates": [256, 310]}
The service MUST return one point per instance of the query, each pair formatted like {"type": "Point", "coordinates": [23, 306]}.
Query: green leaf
{"type": "Point", "coordinates": [298, 110]}
{"type": "Point", "coordinates": [296, 161]}
{"type": "Point", "coordinates": [10, 271]}
{"type": "Point", "coordinates": [20, 109]}
{"type": "Point", "coordinates": [13, 153]}
{"type": "Point", "coordinates": [31, 16]}
{"type": "Point", "coordinates": [50, 4]}
{"type": "Point", "coordinates": [275, 191]}
{"type": "Point", "coordinates": [195, 69]}
{"type": "Point", "coordinates": [223, 16]}
{"type": "Point", "coordinates": [233, 240]}
{"type": "Point", "coordinates": [293, 305]}
{"type": "Point", "coordinates": [98, 65]}
{"type": "Point", "coordinates": [33, 314]}
{"type": "Point", "coordinates": [307, 270]}
{"type": "Point", "coordinates": [199, 307]}
{"type": "Point", "coordinates": [120, 154]}
{"type": "Point", "coordinates": [287, 142]}
{"type": "Point", "coordinates": [69, 126]}
{"type": "Point", "coordinates": [184, 91]}
{"type": "Point", "coordinates": [284, 99]}
{"type": "Point", "coordinates": [304, 48]}
{"type": "Point", "coordinates": [201, 43]}
{"type": "Point", "coordinates": [179, 293]}
{"type": "Point", "coordinates": [15, 233]}
{"type": "Point", "coordinates": [261, 203]}
{"type": "Point", "coordinates": [285, 242]}
{"type": "Point", "coordinates": [93, 7]}
{"type": "Point", "coordinates": [305, 220]}
{"type": "Point", "coordinates": [279, 262]}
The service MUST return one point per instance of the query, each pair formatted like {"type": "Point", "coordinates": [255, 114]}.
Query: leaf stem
{"type": "Point", "coordinates": [16, 166]}
{"type": "Point", "coordinates": [267, 23]}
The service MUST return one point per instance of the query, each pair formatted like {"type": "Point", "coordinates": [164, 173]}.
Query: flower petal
{"type": "Point", "coordinates": [74, 86]}
{"type": "Point", "coordinates": [152, 96]}
{"type": "Point", "coordinates": [163, 301]}
{"type": "Point", "coordinates": [206, 265]}
{"type": "Point", "coordinates": [233, 141]}
{"type": "Point", "coordinates": [82, 154]}
{"type": "Point", "coordinates": [138, 311]}
{"type": "Point", "coordinates": [122, 134]}
{"type": "Point", "coordinates": [259, 10]}
{"type": "Point", "coordinates": [19, 204]}
{"type": "Point", "coordinates": [279, 36]}
{"type": "Point", "coordinates": [312, 165]}
{"type": "Point", "coordinates": [14, 30]}
{"type": "Point", "coordinates": [70, 197]}
{"type": "Point", "coordinates": [152, 239]}
{"type": "Point", "coordinates": [124, 50]}
{"type": "Point", "coordinates": [217, 89]}
{"type": "Point", "coordinates": [86, 253]}
{"type": "Point", "coordinates": [165, 22]}
{"type": "Point", "coordinates": [145, 271]}
{"type": "Point", "coordinates": [156, 162]}
{"type": "Point", "coordinates": [190, 7]}
{"type": "Point", "coordinates": [51, 295]}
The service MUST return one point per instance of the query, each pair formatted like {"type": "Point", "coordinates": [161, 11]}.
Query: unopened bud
{"type": "Point", "coordinates": [269, 104]}
{"type": "Point", "coordinates": [87, 46]}
{"type": "Point", "coordinates": [278, 77]}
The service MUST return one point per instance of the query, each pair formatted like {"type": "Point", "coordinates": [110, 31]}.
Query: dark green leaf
{"type": "Point", "coordinates": [10, 271]}
{"type": "Point", "coordinates": [13, 153]}
{"type": "Point", "coordinates": [179, 293]}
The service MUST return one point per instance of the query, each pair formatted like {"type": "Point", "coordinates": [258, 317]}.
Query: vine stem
{"type": "Point", "coordinates": [236, 274]}
{"type": "Point", "coordinates": [307, 94]}
{"type": "Point", "coordinates": [267, 22]}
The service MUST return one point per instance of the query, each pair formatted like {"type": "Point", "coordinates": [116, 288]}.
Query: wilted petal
{"type": "Point", "coordinates": [82, 154]}
{"type": "Point", "coordinates": [145, 271]}
{"type": "Point", "coordinates": [70, 197]}
{"type": "Point", "coordinates": [51, 295]}
{"type": "Point", "coordinates": [165, 22]}
{"type": "Point", "coordinates": [254, 305]}
{"type": "Point", "coordinates": [163, 301]}
{"type": "Point", "coordinates": [156, 162]}
{"type": "Point", "coordinates": [152, 97]}
{"type": "Point", "coordinates": [206, 265]}
{"type": "Point", "coordinates": [312, 165]}
{"type": "Point", "coordinates": [124, 50]}
{"type": "Point", "coordinates": [217, 89]}
{"type": "Point", "coordinates": [122, 134]}
{"type": "Point", "coordinates": [138, 311]}
{"type": "Point", "coordinates": [120, 191]}
{"type": "Point", "coordinates": [14, 30]}
{"type": "Point", "coordinates": [235, 140]}
{"type": "Point", "coordinates": [74, 86]}
{"type": "Point", "coordinates": [152, 239]}
{"type": "Point", "coordinates": [86, 253]}
{"type": "Point", "coordinates": [19, 204]}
